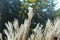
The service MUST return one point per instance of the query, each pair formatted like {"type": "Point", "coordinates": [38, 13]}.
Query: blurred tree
{"type": "Point", "coordinates": [57, 14]}
{"type": "Point", "coordinates": [11, 9]}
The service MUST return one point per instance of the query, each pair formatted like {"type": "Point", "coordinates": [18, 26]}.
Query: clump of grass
{"type": "Point", "coordinates": [19, 32]}
{"type": "Point", "coordinates": [16, 32]}
{"type": "Point", "coordinates": [37, 35]}
{"type": "Point", "coordinates": [52, 30]}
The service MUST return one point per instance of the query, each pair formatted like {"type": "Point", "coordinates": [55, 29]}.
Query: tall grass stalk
{"type": "Point", "coordinates": [0, 36]}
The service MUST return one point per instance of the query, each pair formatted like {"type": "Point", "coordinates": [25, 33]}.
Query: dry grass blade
{"type": "Point", "coordinates": [0, 36]}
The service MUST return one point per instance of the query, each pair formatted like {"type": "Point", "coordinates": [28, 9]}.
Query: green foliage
{"type": "Point", "coordinates": [57, 14]}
